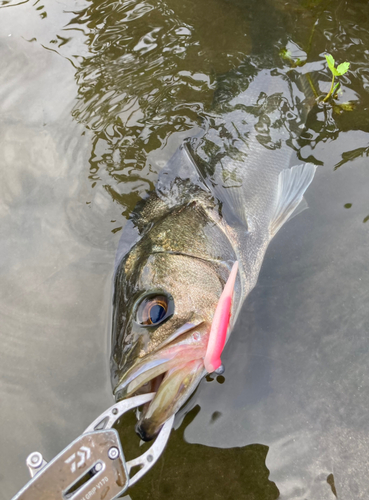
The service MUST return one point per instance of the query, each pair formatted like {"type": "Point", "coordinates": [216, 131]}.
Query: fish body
{"type": "Point", "coordinates": [179, 247]}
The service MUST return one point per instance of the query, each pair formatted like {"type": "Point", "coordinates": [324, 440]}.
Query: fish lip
{"type": "Point", "coordinates": [150, 422]}
{"type": "Point", "coordinates": [122, 391]}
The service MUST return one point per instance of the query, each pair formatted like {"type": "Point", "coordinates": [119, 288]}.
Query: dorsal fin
{"type": "Point", "coordinates": [180, 167]}
{"type": "Point", "coordinates": [292, 184]}
{"type": "Point", "coordinates": [179, 182]}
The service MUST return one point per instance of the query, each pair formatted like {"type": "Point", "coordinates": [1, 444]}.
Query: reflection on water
{"type": "Point", "coordinates": [197, 471]}
{"type": "Point", "coordinates": [95, 96]}
{"type": "Point", "coordinates": [144, 79]}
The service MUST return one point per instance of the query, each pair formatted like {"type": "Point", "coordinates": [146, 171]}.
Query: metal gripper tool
{"type": "Point", "coordinates": [93, 465]}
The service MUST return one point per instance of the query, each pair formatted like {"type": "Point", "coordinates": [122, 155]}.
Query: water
{"type": "Point", "coordinates": [94, 98]}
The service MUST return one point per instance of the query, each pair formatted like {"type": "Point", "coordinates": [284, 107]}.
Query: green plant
{"type": "Point", "coordinates": [339, 71]}
{"type": "Point", "coordinates": [286, 55]}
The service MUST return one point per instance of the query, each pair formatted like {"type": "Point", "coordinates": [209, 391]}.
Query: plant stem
{"type": "Point", "coordinates": [330, 91]}
{"type": "Point", "coordinates": [312, 86]}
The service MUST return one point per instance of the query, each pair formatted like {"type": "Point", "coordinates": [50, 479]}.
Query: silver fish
{"type": "Point", "coordinates": [208, 211]}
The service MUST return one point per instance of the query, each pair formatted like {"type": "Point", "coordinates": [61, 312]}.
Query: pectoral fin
{"type": "Point", "coordinates": [292, 185]}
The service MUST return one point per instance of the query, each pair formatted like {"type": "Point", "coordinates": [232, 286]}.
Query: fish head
{"type": "Point", "coordinates": [163, 309]}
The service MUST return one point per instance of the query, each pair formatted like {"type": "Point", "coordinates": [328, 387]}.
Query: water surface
{"type": "Point", "coordinates": [95, 96]}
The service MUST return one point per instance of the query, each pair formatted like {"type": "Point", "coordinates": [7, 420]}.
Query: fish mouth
{"type": "Point", "coordinates": [173, 371]}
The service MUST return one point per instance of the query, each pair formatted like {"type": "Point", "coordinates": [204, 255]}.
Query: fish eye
{"type": "Point", "coordinates": [154, 309]}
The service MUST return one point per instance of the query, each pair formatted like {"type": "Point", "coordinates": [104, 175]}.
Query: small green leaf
{"type": "Point", "coordinates": [335, 72]}
{"type": "Point", "coordinates": [339, 71]}
{"type": "Point", "coordinates": [343, 68]}
{"type": "Point", "coordinates": [335, 88]}
{"type": "Point", "coordinates": [330, 62]}
{"type": "Point", "coordinates": [285, 54]}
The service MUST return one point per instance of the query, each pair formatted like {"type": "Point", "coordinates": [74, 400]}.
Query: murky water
{"type": "Point", "coordinates": [95, 96]}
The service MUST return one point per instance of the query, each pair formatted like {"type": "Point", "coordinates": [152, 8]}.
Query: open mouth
{"type": "Point", "coordinates": [173, 372]}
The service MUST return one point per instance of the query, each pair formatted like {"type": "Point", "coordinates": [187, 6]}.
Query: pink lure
{"type": "Point", "coordinates": [219, 326]}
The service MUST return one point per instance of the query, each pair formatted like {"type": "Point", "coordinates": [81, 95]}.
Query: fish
{"type": "Point", "coordinates": [216, 206]}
